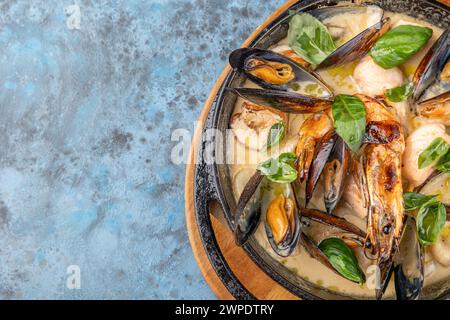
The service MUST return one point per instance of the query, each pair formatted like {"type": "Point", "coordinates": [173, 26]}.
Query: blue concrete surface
{"type": "Point", "coordinates": [85, 139]}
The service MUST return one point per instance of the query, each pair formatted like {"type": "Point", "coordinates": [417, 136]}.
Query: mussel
{"type": "Point", "coordinates": [314, 251]}
{"type": "Point", "coordinates": [325, 13]}
{"type": "Point", "coordinates": [282, 222]}
{"type": "Point", "coordinates": [338, 228]}
{"type": "Point", "coordinates": [274, 71]}
{"type": "Point", "coordinates": [288, 102]}
{"type": "Point", "coordinates": [248, 210]}
{"type": "Point", "coordinates": [335, 174]}
{"type": "Point", "coordinates": [331, 161]}
{"type": "Point", "coordinates": [436, 108]}
{"type": "Point", "coordinates": [333, 221]}
{"type": "Point", "coordinates": [408, 264]}
{"type": "Point", "coordinates": [359, 44]}
{"type": "Point", "coordinates": [323, 151]}
{"type": "Point", "coordinates": [276, 205]}
{"type": "Point", "coordinates": [431, 66]}
{"type": "Point", "coordinates": [357, 47]}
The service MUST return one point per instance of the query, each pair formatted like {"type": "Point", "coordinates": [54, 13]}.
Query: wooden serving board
{"type": "Point", "coordinates": [249, 274]}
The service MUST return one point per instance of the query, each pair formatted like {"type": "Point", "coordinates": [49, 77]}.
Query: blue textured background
{"type": "Point", "coordinates": [86, 117]}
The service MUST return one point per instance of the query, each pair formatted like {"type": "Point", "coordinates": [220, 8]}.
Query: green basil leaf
{"type": "Point", "coordinates": [399, 44]}
{"type": "Point", "coordinates": [287, 174]}
{"type": "Point", "coordinates": [287, 158]}
{"type": "Point", "coordinates": [437, 149]}
{"type": "Point", "coordinates": [280, 170]}
{"type": "Point", "coordinates": [349, 116]}
{"type": "Point", "coordinates": [309, 38]}
{"type": "Point", "coordinates": [430, 222]}
{"type": "Point", "coordinates": [401, 93]}
{"type": "Point", "coordinates": [342, 259]}
{"type": "Point", "coordinates": [276, 134]}
{"type": "Point", "coordinates": [444, 163]}
{"type": "Point", "coordinates": [413, 200]}
{"type": "Point", "coordinates": [444, 168]}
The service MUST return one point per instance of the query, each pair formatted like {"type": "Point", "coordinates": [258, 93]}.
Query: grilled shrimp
{"type": "Point", "coordinates": [382, 165]}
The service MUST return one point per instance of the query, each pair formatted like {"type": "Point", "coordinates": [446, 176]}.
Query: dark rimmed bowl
{"type": "Point", "coordinates": [213, 183]}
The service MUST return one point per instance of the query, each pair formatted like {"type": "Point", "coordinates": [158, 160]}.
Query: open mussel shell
{"type": "Point", "coordinates": [273, 71]}
{"type": "Point", "coordinates": [431, 66]}
{"type": "Point", "coordinates": [357, 47]}
{"type": "Point", "coordinates": [408, 264]}
{"type": "Point", "coordinates": [437, 108]}
{"type": "Point", "coordinates": [289, 102]}
{"type": "Point", "coordinates": [248, 210]}
{"type": "Point", "coordinates": [332, 162]}
{"type": "Point", "coordinates": [282, 220]}
{"type": "Point", "coordinates": [335, 173]}
{"type": "Point", "coordinates": [324, 148]}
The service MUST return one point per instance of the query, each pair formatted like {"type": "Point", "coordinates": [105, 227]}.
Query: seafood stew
{"type": "Point", "coordinates": [340, 157]}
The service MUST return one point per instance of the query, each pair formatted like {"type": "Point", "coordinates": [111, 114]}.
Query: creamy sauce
{"type": "Point", "coordinates": [340, 80]}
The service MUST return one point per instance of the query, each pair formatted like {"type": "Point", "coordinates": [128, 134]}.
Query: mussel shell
{"type": "Point", "coordinates": [333, 221]}
{"type": "Point", "coordinates": [330, 11]}
{"type": "Point", "coordinates": [239, 61]}
{"type": "Point", "coordinates": [315, 253]}
{"type": "Point", "coordinates": [287, 246]}
{"type": "Point", "coordinates": [408, 264]}
{"type": "Point", "coordinates": [248, 210]}
{"type": "Point", "coordinates": [324, 148]}
{"type": "Point", "coordinates": [283, 101]}
{"type": "Point", "coordinates": [432, 64]}
{"type": "Point", "coordinates": [440, 99]}
{"type": "Point", "coordinates": [335, 173]}
{"type": "Point", "coordinates": [357, 47]}
{"type": "Point", "coordinates": [436, 107]}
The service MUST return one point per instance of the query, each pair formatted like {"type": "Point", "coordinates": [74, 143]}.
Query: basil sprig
{"type": "Point", "coordinates": [349, 116]}
{"type": "Point", "coordinates": [309, 38]}
{"type": "Point", "coordinates": [430, 222]}
{"type": "Point", "coordinates": [431, 216]}
{"type": "Point", "coordinates": [435, 151]}
{"type": "Point", "coordinates": [342, 259]}
{"type": "Point", "coordinates": [399, 44]}
{"type": "Point", "coordinates": [280, 170]}
{"type": "Point", "coordinates": [276, 134]}
{"type": "Point", "coordinates": [413, 200]}
{"type": "Point", "coordinates": [443, 164]}
{"type": "Point", "coordinates": [401, 93]}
